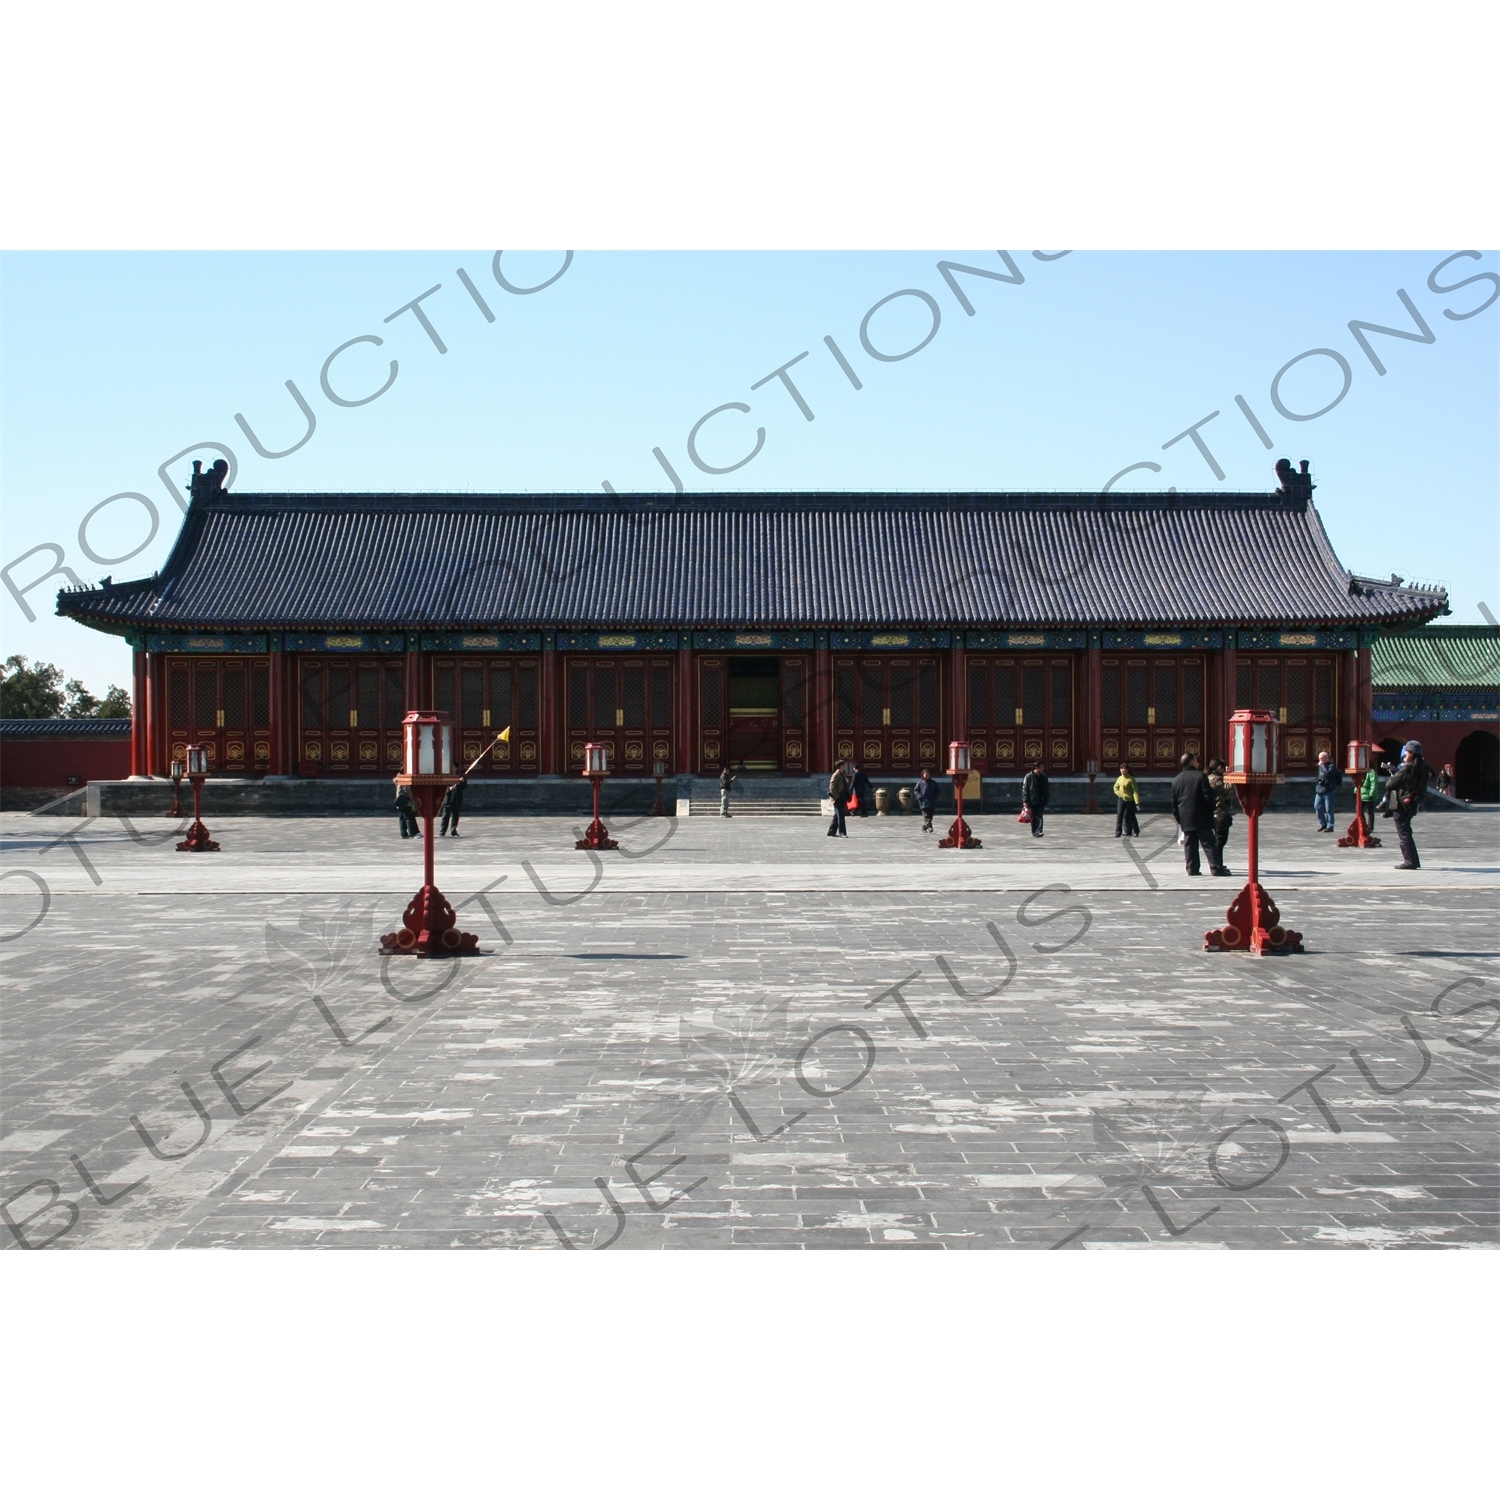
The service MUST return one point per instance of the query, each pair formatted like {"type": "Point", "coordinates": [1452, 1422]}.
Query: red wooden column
{"type": "Point", "coordinates": [291, 715]}
{"type": "Point", "coordinates": [954, 712]}
{"type": "Point", "coordinates": [821, 708]}
{"type": "Point", "coordinates": [156, 714]}
{"type": "Point", "coordinates": [1346, 720]}
{"type": "Point", "coordinates": [1362, 725]}
{"type": "Point", "coordinates": [415, 688]}
{"type": "Point", "coordinates": [1223, 673]}
{"type": "Point", "coordinates": [686, 738]}
{"type": "Point", "coordinates": [139, 714]}
{"type": "Point", "coordinates": [550, 712]}
{"type": "Point", "coordinates": [1093, 711]}
{"type": "Point", "coordinates": [276, 693]}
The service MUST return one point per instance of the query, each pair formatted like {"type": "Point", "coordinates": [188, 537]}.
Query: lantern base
{"type": "Point", "coordinates": [197, 841]}
{"type": "Point", "coordinates": [429, 929]}
{"type": "Point", "coordinates": [1357, 836]}
{"type": "Point", "coordinates": [960, 836]}
{"type": "Point", "coordinates": [1241, 933]}
{"type": "Point", "coordinates": [596, 836]}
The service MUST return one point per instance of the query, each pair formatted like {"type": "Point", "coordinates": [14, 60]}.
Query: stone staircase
{"type": "Point", "coordinates": [756, 796]}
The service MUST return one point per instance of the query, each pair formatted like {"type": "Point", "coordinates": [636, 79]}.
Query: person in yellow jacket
{"type": "Point", "coordinates": [1127, 801]}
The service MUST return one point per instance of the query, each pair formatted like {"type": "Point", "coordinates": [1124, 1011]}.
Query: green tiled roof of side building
{"type": "Point", "coordinates": [1437, 656]}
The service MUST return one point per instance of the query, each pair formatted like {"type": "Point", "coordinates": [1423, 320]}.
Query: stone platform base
{"type": "Point", "coordinates": [372, 796]}
{"type": "Point", "coordinates": [569, 796]}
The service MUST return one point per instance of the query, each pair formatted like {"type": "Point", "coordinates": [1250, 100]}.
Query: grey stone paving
{"type": "Point", "coordinates": [741, 1034]}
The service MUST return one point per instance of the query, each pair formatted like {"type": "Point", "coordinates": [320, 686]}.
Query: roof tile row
{"type": "Point", "coordinates": [853, 560]}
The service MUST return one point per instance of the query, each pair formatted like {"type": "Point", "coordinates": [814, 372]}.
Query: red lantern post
{"type": "Point", "coordinates": [1093, 770]}
{"type": "Point", "coordinates": [198, 840]}
{"type": "Point", "coordinates": [596, 768]}
{"type": "Point", "coordinates": [1357, 836]}
{"type": "Point", "coordinates": [1252, 921]}
{"type": "Point", "coordinates": [429, 927]}
{"type": "Point", "coordinates": [658, 808]}
{"type": "Point", "coordinates": [960, 835]}
{"type": "Point", "coordinates": [179, 770]}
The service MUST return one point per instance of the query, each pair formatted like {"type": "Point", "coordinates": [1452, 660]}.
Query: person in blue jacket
{"type": "Point", "coordinates": [1327, 784]}
{"type": "Point", "coordinates": [926, 793]}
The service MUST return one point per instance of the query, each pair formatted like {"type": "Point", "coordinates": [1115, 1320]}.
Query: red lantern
{"type": "Point", "coordinates": [658, 808]}
{"type": "Point", "coordinates": [596, 768]}
{"type": "Point", "coordinates": [429, 927]}
{"type": "Point", "coordinates": [198, 840]}
{"type": "Point", "coordinates": [1358, 834]}
{"type": "Point", "coordinates": [960, 835]}
{"type": "Point", "coordinates": [1254, 748]}
{"type": "Point", "coordinates": [1252, 921]}
{"type": "Point", "coordinates": [427, 745]}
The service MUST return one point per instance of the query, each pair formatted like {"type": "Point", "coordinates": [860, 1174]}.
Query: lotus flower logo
{"type": "Point", "coordinates": [320, 952]}
{"type": "Point", "coordinates": [1139, 1142]}
{"type": "Point", "coordinates": [719, 1059]}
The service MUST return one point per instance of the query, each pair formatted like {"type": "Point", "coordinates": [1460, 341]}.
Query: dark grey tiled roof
{"type": "Point", "coordinates": [739, 560]}
{"type": "Point", "coordinates": [64, 729]}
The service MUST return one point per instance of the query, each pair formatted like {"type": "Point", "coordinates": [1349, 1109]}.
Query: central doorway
{"type": "Point", "coordinates": [755, 713]}
{"type": "Point", "coordinates": [886, 712]}
{"type": "Point", "coordinates": [1151, 711]}
{"type": "Point", "coordinates": [623, 703]}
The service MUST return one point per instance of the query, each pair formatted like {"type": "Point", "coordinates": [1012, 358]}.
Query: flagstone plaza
{"type": "Point", "coordinates": [743, 1034]}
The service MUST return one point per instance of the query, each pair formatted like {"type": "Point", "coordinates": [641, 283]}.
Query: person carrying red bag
{"type": "Point", "coordinates": [838, 792]}
{"type": "Point", "coordinates": [1035, 792]}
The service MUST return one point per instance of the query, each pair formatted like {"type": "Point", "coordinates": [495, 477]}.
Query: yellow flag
{"type": "Point", "coordinates": [504, 735]}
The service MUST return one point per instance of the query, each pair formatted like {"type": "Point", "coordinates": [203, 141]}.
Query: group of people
{"type": "Point", "coordinates": [1202, 808]}
{"type": "Point", "coordinates": [1202, 803]}
{"type": "Point", "coordinates": [1404, 791]}
{"type": "Point", "coordinates": [453, 806]}
{"type": "Point", "coordinates": [850, 789]}
{"type": "Point", "coordinates": [1197, 803]}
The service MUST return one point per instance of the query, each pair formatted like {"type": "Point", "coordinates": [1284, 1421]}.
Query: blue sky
{"type": "Point", "coordinates": [113, 362]}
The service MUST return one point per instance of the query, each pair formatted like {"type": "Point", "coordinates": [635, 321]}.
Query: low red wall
{"type": "Point", "coordinates": [1440, 740]}
{"type": "Point", "coordinates": [44, 762]}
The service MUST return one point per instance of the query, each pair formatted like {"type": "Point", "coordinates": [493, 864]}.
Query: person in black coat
{"type": "Point", "coordinates": [864, 789]}
{"type": "Point", "coordinates": [406, 812]}
{"type": "Point", "coordinates": [1193, 810]}
{"type": "Point", "coordinates": [1409, 786]}
{"type": "Point", "coordinates": [1223, 795]}
{"type": "Point", "coordinates": [453, 806]}
{"type": "Point", "coordinates": [1035, 792]}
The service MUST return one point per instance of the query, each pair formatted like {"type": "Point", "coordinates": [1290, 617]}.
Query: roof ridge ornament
{"type": "Point", "coordinates": [1295, 485]}
{"type": "Point", "coordinates": [202, 485]}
